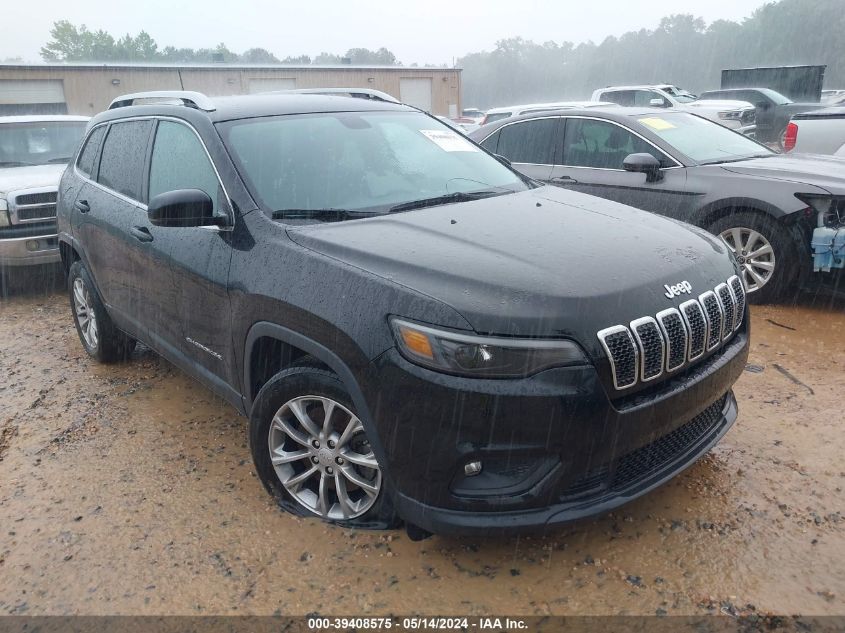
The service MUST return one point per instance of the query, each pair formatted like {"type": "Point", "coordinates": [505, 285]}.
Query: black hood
{"type": "Point", "coordinates": [545, 262]}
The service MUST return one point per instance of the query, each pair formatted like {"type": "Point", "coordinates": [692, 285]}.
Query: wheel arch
{"type": "Point", "coordinates": [718, 209]}
{"type": "Point", "coordinates": [293, 347]}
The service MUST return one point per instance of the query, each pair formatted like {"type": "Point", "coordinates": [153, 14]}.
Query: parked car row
{"type": "Point", "coordinates": [735, 114]}
{"type": "Point", "coordinates": [774, 212]}
{"type": "Point", "coordinates": [371, 271]}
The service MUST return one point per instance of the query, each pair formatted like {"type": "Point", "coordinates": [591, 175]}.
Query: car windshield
{"type": "Point", "coordinates": [497, 116]}
{"type": "Point", "coordinates": [359, 162]}
{"type": "Point", "coordinates": [39, 143]}
{"type": "Point", "coordinates": [702, 140]}
{"type": "Point", "coordinates": [775, 96]}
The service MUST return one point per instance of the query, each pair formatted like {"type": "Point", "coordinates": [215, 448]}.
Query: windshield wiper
{"type": "Point", "coordinates": [60, 159]}
{"type": "Point", "coordinates": [323, 215]}
{"type": "Point", "coordinates": [15, 163]}
{"type": "Point", "coordinates": [458, 196]}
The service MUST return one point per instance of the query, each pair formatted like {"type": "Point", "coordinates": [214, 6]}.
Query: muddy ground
{"type": "Point", "coordinates": [129, 489]}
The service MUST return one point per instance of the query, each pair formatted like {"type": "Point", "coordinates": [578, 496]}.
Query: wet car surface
{"type": "Point", "coordinates": [129, 489]}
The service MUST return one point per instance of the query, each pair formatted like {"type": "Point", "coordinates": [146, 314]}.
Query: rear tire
{"type": "Point", "coordinates": [312, 465]}
{"type": "Point", "coordinates": [97, 333]}
{"type": "Point", "coordinates": [766, 253]}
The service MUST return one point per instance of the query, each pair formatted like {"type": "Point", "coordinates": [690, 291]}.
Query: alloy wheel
{"type": "Point", "coordinates": [85, 316]}
{"type": "Point", "coordinates": [323, 458]}
{"type": "Point", "coordinates": [754, 254]}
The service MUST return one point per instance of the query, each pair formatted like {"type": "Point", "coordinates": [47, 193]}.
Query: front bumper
{"type": "Point", "coordinates": [748, 130]}
{"type": "Point", "coordinates": [28, 251]}
{"type": "Point", "coordinates": [554, 448]}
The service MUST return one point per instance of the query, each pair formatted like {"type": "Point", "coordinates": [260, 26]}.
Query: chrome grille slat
{"type": "Point", "coordinates": [676, 336]}
{"type": "Point", "coordinates": [697, 327]}
{"type": "Point", "coordinates": [648, 347]}
{"type": "Point", "coordinates": [622, 352]}
{"type": "Point", "coordinates": [738, 289]}
{"type": "Point", "coordinates": [714, 314]}
{"type": "Point", "coordinates": [725, 295]}
{"type": "Point", "coordinates": [652, 347]}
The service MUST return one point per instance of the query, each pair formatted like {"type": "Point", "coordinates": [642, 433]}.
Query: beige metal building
{"type": "Point", "coordinates": [89, 88]}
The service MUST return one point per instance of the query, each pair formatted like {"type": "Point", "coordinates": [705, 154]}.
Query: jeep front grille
{"type": "Point", "coordinates": [32, 205]}
{"type": "Point", "coordinates": [649, 347]}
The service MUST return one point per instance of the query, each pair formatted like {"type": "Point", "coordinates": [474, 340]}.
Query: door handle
{"type": "Point", "coordinates": [82, 205]}
{"type": "Point", "coordinates": [141, 233]}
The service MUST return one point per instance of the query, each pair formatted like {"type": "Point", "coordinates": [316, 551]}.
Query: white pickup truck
{"type": "Point", "coordinates": [816, 132]}
{"type": "Point", "coordinates": [34, 151]}
{"type": "Point", "coordinates": [737, 115]}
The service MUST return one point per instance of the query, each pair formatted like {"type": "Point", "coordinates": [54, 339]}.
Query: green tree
{"type": "Point", "coordinates": [259, 56]}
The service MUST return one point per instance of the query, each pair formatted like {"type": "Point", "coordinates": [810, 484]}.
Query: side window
{"type": "Point", "coordinates": [491, 142]}
{"type": "Point", "coordinates": [619, 97]}
{"type": "Point", "coordinates": [528, 142]}
{"type": "Point", "coordinates": [179, 161]}
{"type": "Point", "coordinates": [643, 98]}
{"type": "Point", "coordinates": [122, 161]}
{"type": "Point", "coordinates": [85, 163]}
{"type": "Point", "coordinates": [603, 145]}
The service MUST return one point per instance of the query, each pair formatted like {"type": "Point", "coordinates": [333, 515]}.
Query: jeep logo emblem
{"type": "Point", "coordinates": [684, 287]}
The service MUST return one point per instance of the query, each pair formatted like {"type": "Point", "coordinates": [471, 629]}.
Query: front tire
{"type": "Point", "coordinates": [97, 333]}
{"type": "Point", "coordinates": [311, 452]}
{"type": "Point", "coordinates": [765, 251]}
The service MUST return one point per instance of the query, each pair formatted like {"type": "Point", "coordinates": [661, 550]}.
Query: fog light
{"type": "Point", "coordinates": [32, 245]}
{"type": "Point", "coordinates": [472, 469]}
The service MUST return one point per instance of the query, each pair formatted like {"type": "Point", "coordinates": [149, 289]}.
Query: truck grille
{"type": "Point", "coordinates": [676, 337]}
{"type": "Point", "coordinates": [32, 205]}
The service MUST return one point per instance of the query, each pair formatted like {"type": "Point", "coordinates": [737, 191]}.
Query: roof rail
{"type": "Point", "coordinates": [186, 98]}
{"type": "Point", "coordinates": [360, 93]}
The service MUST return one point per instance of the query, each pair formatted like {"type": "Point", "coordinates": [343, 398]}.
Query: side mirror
{"type": "Point", "coordinates": [644, 164]}
{"type": "Point", "coordinates": [182, 208]}
{"type": "Point", "coordinates": [503, 160]}
{"type": "Point", "coordinates": [657, 103]}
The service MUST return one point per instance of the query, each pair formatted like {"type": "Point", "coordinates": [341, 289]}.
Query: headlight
{"type": "Point", "coordinates": [481, 356]}
{"type": "Point", "coordinates": [731, 114]}
{"type": "Point", "coordinates": [4, 212]}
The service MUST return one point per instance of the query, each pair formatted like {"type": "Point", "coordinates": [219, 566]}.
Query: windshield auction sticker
{"type": "Point", "coordinates": [656, 123]}
{"type": "Point", "coordinates": [449, 141]}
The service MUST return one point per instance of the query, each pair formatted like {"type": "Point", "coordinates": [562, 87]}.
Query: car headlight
{"type": "Point", "coordinates": [481, 356]}
{"type": "Point", "coordinates": [733, 115]}
{"type": "Point", "coordinates": [4, 213]}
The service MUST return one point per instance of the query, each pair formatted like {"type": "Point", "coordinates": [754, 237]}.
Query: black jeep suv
{"type": "Point", "coordinates": [414, 329]}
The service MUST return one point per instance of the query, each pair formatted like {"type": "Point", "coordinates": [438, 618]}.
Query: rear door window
{"type": "Point", "coordinates": [529, 142]}
{"type": "Point", "coordinates": [85, 164]}
{"type": "Point", "coordinates": [123, 158]}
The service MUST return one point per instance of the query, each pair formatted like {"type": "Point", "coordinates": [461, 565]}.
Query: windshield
{"type": "Point", "coordinates": [680, 95]}
{"type": "Point", "coordinates": [497, 116]}
{"type": "Point", "coordinates": [775, 96]}
{"type": "Point", "coordinates": [359, 161]}
{"type": "Point", "coordinates": [685, 98]}
{"type": "Point", "coordinates": [702, 140]}
{"type": "Point", "coordinates": [39, 143]}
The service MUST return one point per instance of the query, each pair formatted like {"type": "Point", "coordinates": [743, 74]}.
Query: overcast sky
{"type": "Point", "coordinates": [434, 31]}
